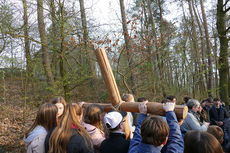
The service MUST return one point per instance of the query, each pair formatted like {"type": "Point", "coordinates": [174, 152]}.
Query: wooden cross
{"type": "Point", "coordinates": [115, 98]}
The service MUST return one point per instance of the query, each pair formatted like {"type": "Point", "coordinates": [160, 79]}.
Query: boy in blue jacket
{"type": "Point", "coordinates": [152, 133]}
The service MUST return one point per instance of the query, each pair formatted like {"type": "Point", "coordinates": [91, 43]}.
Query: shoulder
{"type": "Point", "coordinates": [37, 143]}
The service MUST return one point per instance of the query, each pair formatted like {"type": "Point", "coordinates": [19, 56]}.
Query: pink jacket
{"type": "Point", "coordinates": [96, 134]}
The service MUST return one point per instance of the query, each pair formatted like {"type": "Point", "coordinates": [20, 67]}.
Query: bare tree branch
{"type": "Point", "coordinates": [225, 3]}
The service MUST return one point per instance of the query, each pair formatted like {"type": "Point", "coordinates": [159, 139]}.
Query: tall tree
{"type": "Point", "coordinates": [127, 44]}
{"type": "Point", "coordinates": [87, 50]}
{"type": "Point", "coordinates": [198, 67]}
{"type": "Point", "coordinates": [54, 40]}
{"type": "Point", "coordinates": [209, 85]}
{"type": "Point", "coordinates": [223, 57]}
{"type": "Point", "coordinates": [26, 40]}
{"type": "Point", "coordinates": [45, 53]}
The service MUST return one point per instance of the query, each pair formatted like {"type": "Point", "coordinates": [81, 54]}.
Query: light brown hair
{"type": "Point", "coordinates": [154, 131]}
{"type": "Point", "coordinates": [217, 132]}
{"type": "Point", "coordinates": [46, 117]}
{"type": "Point", "coordinates": [61, 135]}
{"type": "Point", "coordinates": [93, 116]}
{"type": "Point", "coordinates": [59, 99]}
{"type": "Point", "coordinates": [201, 142]}
{"type": "Point", "coordinates": [127, 97]}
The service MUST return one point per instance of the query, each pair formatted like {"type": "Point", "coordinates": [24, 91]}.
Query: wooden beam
{"type": "Point", "coordinates": [107, 73]}
{"type": "Point", "coordinates": [154, 108]}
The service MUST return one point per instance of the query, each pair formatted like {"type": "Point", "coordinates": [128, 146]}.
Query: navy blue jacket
{"type": "Point", "coordinates": [175, 143]}
{"type": "Point", "coordinates": [216, 115]}
{"type": "Point", "coordinates": [116, 143]}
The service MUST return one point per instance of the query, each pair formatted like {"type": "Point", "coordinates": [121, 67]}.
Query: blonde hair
{"type": "Point", "coordinates": [46, 117]}
{"type": "Point", "coordinates": [61, 135]}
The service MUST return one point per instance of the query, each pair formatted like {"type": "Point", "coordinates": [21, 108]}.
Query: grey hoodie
{"type": "Point", "coordinates": [35, 141]}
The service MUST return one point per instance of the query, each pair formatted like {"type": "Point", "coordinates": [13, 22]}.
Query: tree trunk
{"type": "Point", "coordinates": [203, 52]}
{"type": "Point", "coordinates": [54, 39]}
{"type": "Point", "coordinates": [45, 53]}
{"type": "Point", "coordinates": [29, 69]}
{"type": "Point", "coordinates": [209, 85]}
{"type": "Point", "coordinates": [216, 62]}
{"type": "Point", "coordinates": [65, 81]}
{"type": "Point", "coordinates": [197, 52]}
{"type": "Point", "coordinates": [127, 44]}
{"type": "Point", "coordinates": [223, 57]}
{"type": "Point", "coordinates": [87, 50]}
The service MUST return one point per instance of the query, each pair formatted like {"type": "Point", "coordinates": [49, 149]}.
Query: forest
{"type": "Point", "coordinates": [155, 48]}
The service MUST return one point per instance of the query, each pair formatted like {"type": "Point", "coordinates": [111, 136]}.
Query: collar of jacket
{"type": "Point", "coordinates": [116, 134]}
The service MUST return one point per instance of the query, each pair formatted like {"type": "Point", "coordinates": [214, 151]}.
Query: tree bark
{"type": "Point", "coordinates": [29, 69]}
{"type": "Point", "coordinates": [87, 50]}
{"type": "Point", "coordinates": [209, 85]}
{"type": "Point", "coordinates": [197, 63]}
{"type": "Point", "coordinates": [127, 44]}
{"type": "Point", "coordinates": [223, 57]}
{"type": "Point", "coordinates": [45, 53]}
{"type": "Point", "coordinates": [54, 39]}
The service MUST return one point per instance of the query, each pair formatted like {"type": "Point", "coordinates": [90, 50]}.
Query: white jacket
{"type": "Point", "coordinates": [36, 139]}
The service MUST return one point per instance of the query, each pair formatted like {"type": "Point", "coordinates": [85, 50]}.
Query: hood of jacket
{"type": "Point", "coordinates": [90, 128]}
{"type": "Point", "coordinates": [36, 131]}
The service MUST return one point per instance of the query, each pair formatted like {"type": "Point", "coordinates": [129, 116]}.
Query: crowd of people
{"type": "Point", "coordinates": [71, 128]}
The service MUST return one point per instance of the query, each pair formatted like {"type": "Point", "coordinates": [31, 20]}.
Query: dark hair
{"type": "Point", "coordinates": [201, 142]}
{"type": "Point", "coordinates": [170, 97]}
{"type": "Point", "coordinates": [93, 115]}
{"type": "Point", "coordinates": [46, 117]}
{"type": "Point", "coordinates": [154, 131]}
{"type": "Point", "coordinates": [165, 101]}
{"type": "Point", "coordinates": [216, 99]}
{"type": "Point", "coordinates": [186, 98]}
{"type": "Point", "coordinates": [209, 99]}
{"type": "Point", "coordinates": [141, 99]}
{"type": "Point", "coordinates": [217, 132]}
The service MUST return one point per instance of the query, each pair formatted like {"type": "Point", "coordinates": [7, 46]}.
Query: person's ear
{"type": "Point", "coordinates": [120, 125]}
{"type": "Point", "coordinates": [164, 143]}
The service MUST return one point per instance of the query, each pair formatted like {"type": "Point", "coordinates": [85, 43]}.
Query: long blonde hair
{"type": "Point", "coordinates": [61, 135]}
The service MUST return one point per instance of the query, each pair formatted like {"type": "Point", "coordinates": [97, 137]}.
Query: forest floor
{"type": "Point", "coordinates": [13, 125]}
{"type": "Point", "coordinates": [14, 119]}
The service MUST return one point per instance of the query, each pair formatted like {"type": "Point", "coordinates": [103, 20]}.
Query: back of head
{"type": "Point", "coordinates": [46, 117]}
{"type": "Point", "coordinates": [141, 99]}
{"type": "Point", "coordinates": [128, 98]}
{"type": "Point", "coordinates": [216, 99]}
{"type": "Point", "coordinates": [193, 103]}
{"type": "Point", "coordinates": [170, 97]}
{"type": "Point", "coordinates": [201, 142]}
{"type": "Point", "coordinates": [113, 120]}
{"type": "Point", "coordinates": [165, 101]}
{"type": "Point", "coordinates": [93, 115]}
{"type": "Point", "coordinates": [62, 133]}
{"type": "Point", "coordinates": [186, 98]}
{"type": "Point", "coordinates": [154, 131]}
{"type": "Point", "coordinates": [217, 132]}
